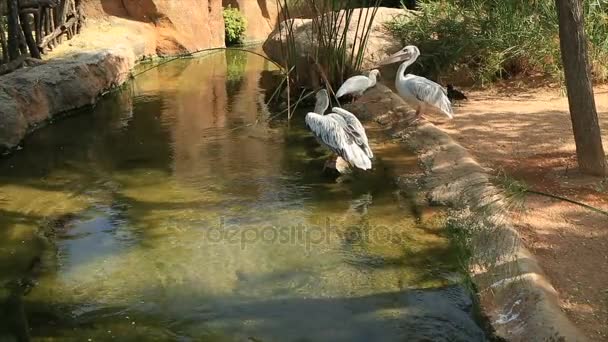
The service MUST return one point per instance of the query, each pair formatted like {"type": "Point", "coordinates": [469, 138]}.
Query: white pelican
{"type": "Point", "coordinates": [422, 94]}
{"type": "Point", "coordinates": [341, 132]}
{"type": "Point", "coordinates": [357, 85]}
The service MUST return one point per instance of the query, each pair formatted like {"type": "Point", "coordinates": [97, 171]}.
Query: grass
{"type": "Point", "coordinates": [488, 40]}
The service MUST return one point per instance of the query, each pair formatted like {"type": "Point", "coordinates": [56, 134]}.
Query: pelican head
{"type": "Point", "coordinates": [374, 74]}
{"type": "Point", "coordinates": [322, 101]}
{"type": "Point", "coordinates": [409, 53]}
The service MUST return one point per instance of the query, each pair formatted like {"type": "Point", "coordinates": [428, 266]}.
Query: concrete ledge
{"type": "Point", "coordinates": [514, 293]}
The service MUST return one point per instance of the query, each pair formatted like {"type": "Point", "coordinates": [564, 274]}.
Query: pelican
{"type": "Point", "coordinates": [422, 94]}
{"type": "Point", "coordinates": [357, 85]}
{"type": "Point", "coordinates": [341, 132]}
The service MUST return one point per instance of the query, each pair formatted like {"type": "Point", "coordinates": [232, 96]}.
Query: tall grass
{"type": "Point", "coordinates": [338, 38]}
{"type": "Point", "coordinates": [493, 39]}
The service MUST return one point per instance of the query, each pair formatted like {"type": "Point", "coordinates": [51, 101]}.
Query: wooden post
{"type": "Point", "coordinates": [38, 3]}
{"type": "Point", "coordinates": [3, 46]}
{"type": "Point", "coordinates": [57, 18]}
{"type": "Point", "coordinates": [37, 25]}
{"type": "Point", "coordinates": [51, 19]}
{"type": "Point", "coordinates": [47, 26]}
{"type": "Point", "coordinates": [573, 43]}
{"type": "Point", "coordinates": [29, 39]}
{"type": "Point", "coordinates": [22, 42]}
{"type": "Point", "coordinates": [13, 29]}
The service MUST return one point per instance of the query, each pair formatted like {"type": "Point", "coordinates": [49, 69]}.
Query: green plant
{"type": "Point", "coordinates": [493, 39]}
{"type": "Point", "coordinates": [514, 191]}
{"type": "Point", "coordinates": [235, 25]}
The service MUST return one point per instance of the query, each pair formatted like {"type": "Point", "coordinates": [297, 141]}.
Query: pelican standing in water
{"type": "Point", "coordinates": [357, 85]}
{"type": "Point", "coordinates": [341, 132]}
{"type": "Point", "coordinates": [422, 94]}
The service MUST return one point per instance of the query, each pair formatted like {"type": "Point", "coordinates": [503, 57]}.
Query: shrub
{"type": "Point", "coordinates": [493, 39]}
{"type": "Point", "coordinates": [235, 25]}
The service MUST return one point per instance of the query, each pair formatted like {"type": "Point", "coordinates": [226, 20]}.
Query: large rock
{"type": "Point", "coordinates": [29, 97]}
{"type": "Point", "coordinates": [261, 17]}
{"type": "Point", "coordinates": [380, 44]}
{"type": "Point", "coordinates": [177, 26]}
{"type": "Point", "coordinates": [117, 34]}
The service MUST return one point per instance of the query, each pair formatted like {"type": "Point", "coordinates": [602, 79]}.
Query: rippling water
{"type": "Point", "coordinates": [164, 214]}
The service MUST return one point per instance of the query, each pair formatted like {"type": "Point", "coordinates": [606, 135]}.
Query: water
{"type": "Point", "coordinates": [166, 215]}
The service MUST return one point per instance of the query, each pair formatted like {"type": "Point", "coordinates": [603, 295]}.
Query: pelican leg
{"type": "Point", "coordinates": [418, 114]}
{"type": "Point", "coordinates": [330, 163]}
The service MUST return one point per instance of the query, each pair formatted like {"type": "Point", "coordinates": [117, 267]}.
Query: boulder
{"type": "Point", "coordinates": [380, 44]}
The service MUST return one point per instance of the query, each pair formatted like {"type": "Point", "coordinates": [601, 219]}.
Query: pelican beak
{"type": "Point", "coordinates": [399, 56]}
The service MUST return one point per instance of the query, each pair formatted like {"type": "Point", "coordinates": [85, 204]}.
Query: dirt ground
{"type": "Point", "coordinates": [527, 134]}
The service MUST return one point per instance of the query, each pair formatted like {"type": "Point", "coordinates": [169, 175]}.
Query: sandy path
{"type": "Point", "coordinates": [528, 135]}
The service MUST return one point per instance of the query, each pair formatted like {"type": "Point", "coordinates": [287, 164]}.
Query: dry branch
{"type": "Point", "coordinates": [58, 32]}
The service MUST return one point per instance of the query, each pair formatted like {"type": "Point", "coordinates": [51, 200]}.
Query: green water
{"type": "Point", "coordinates": [162, 214]}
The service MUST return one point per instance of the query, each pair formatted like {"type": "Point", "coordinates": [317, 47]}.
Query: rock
{"type": "Point", "coordinates": [30, 96]}
{"type": "Point", "coordinates": [380, 44]}
{"type": "Point", "coordinates": [173, 31]}
{"type": "Point", "coordinates": [261, 17]}
{"type": "Point", "coordinates": [117, 34]}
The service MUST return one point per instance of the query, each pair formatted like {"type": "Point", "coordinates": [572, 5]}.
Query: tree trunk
{"type": "Point", "coordinates": [13, 29]}
{"type": "Point", "coordinates": [573, 43]}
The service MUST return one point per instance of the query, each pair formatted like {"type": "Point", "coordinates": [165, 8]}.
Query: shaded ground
{"type": "Point", "coordinates": [528, 136]}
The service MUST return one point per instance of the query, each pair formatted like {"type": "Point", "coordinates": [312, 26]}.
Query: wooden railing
{"type": "Point", "coordinates": [30, 28]}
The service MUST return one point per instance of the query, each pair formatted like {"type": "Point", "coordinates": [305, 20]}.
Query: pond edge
{"type": "Point", "coordinates": [514, 293]}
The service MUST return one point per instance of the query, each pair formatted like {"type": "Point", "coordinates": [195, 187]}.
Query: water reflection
{"type": "Point", "coordinates": [154, 218]}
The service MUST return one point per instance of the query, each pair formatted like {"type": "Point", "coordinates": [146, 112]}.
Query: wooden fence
{"type": "Point", "coordinates": [30, 28]}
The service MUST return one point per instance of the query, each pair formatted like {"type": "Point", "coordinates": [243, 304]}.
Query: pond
{"type": "Point", "coordinates": [176, 210]}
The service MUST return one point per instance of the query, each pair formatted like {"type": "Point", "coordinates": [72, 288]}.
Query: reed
{"type": "Point", "coordinates": [336, 51]}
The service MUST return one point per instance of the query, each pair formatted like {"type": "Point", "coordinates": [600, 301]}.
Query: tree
{"type": "Point", "coordinates": [573, 44]}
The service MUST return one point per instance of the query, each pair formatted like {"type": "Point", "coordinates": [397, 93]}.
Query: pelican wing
{"type": "Point", "coordinates": [430, 93]}
{"type": "Point", "coordinates": [355, 127]}
{"type": "Point", "coordinates": [354, 85]}
{"type": "Point", "coordinates": [330, 131]}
